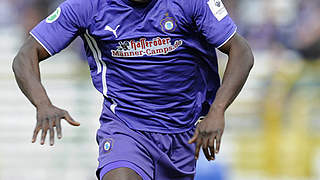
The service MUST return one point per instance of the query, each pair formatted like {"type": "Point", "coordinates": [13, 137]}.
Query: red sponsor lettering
{"type": "Point", "coordinates": [143, 47]}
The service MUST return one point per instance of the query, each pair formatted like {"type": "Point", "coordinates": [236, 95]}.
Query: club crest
{"type": "Point", "coordinates": [107, 146]}
{"type": "Point", "coordinates": [168, 24]}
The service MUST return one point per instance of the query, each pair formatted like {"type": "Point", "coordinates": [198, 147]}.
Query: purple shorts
{"type": "Point", "coordinates": [151, 155]}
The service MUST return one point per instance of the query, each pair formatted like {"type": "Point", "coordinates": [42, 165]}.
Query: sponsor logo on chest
{"type": "Point", "coordinates": [142, 47]}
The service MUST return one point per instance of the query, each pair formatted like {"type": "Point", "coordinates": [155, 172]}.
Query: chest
{"type": "Point", "coordinates": [118, 22]}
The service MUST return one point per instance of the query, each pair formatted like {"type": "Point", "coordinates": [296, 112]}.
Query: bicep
{"type": "Point", "coordinates": [34, 50]}
{"type": "Point", "coordinates": [41, 51]}
{"type": "Point", "coordinates": [236, 42]}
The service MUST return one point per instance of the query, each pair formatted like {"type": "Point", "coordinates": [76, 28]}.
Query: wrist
{"type": "Point", "coordinates": [217, 108]}
{"type": "Point", "coordinates": [216, 113]}
{"type": "Point", "coordinates": [43, 104]}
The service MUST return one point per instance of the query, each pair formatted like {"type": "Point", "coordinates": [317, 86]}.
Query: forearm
{"type": "Point", "coordinates": [26, 70]}
{"type": "Point", "coordinates": [27, 74]}
{"type": "Point", "coordinates": [239, 65]}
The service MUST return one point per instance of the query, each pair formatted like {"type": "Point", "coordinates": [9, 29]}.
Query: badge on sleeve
{"type": "Point", "coordinates": [217, 8]}
{"type": "Point", "coordinates": [54, 16]}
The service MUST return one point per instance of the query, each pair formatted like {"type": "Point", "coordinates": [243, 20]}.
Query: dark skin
{"type": "Point", "coordinates": [121, 174]}
{"type": "Point", "coordinates": [27, 73]}
{"type": "Point", "coordinates": [209, 132]}
{"type": "Point", "coordinates": [207, 135]}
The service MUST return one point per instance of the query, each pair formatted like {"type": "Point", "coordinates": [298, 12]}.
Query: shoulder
{"type": "Point", "coordinates": [81, 2]}
{"type": "Point", "coordinates": [184, 3]}
{"type": "Point", "coordinates": [84, 5]}
{"type": "Point", "coordinates": [81, 11]}
{"type": "Point", "coordinates": [189, 6]}
{"type": "Point", "coordinates": [188, 3]}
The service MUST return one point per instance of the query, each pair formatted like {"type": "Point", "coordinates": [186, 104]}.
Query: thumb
{"type": "Point", "coordinates": [194, 138]}
{"type": "Point", "coordinates": [70, 120]}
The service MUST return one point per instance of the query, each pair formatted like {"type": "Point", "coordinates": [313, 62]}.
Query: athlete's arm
{"type": "Point", "coordinates": [27, 73]}
{"type": "Point", "coordinates": [209, 131]}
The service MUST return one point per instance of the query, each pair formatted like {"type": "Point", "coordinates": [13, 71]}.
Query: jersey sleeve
{"type": "Point", "coordinates": [60, 28]}
{"type": "Point", "coordinates": [213, 22]}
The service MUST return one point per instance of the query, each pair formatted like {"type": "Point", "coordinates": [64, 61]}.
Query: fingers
{"type": "Point", "coordinates": [210, 143]}
{"type": "Point", "coordinates": [198, 145]}
{"type": "Point", "coordinates": [218, 141]}
{"type": "Point", "coordinates": [195, 136]}
{"type": "Point", "coordinates": [205, 149]}
{"type": "Point", "coordinates": [44, 128]}
{"type": "Point", "coordinates": [35, 132]}
{"type": "Point", "coordinates": [58, 128]}
{"type": "Point", "coordinates": [51, 130]}
{"type": "Point", "coordinates": [47, 119]}
{"type": "Point", "coordinates": [69, 119]}
{"type": "Point", "coordinates": [211, 147]}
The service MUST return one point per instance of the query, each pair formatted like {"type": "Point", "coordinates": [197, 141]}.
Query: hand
{"type": "Point", "coordinates": [48, 117]}
{"type": "Point", "coordinates": [208, 135]}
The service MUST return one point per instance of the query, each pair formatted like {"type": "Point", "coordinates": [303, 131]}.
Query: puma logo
{"type": "Point", "coordinates": [114, 31]}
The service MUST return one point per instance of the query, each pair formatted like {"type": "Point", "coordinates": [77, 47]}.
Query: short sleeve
{"type": "Point", "coordinates": [60, 28]}
{"type": "Point", "coordinates": [213, 22]}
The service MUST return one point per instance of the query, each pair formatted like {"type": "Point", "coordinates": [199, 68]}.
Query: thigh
{"type": "Point", "coordinates": [122, 174]}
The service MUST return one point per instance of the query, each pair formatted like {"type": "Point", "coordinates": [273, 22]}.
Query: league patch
{"type": "Point", "coordinates": [108, 144]}
{"type": "Point", "coordinates": [54, 16]}
{"type": "Point", "coordinates": [217, 8]}
{"type": "Point", "coordinates": [168, 24]}
{"type": "Point", "coordinates": [156, 46]}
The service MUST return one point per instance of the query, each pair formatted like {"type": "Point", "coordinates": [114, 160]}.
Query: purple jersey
{"type": "Point", "coordinates": [155, 64]}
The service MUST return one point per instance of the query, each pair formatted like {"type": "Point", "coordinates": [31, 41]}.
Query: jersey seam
{"type": "Point", "coordinates": [228, 38]}
{"type": "Point", "coordinates": [36, 38]}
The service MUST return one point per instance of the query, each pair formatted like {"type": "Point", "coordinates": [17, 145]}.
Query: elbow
{"type": "Point", "coordinates": [250, 59]}
{"type": "Point", "coordinates": [17, 64]}
{"type": "Point", "coordinates": [245, 55]}
{"type": "Point", "coordinates": [247, 51]}
{"type": "Point", "coordinates": [241, 50]}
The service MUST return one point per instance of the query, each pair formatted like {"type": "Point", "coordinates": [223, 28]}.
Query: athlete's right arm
{"type": "Point", "coordinates": [26, 69]}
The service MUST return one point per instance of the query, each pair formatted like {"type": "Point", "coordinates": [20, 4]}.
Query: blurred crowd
{"type": "Point", "coordinates": [279, 26]}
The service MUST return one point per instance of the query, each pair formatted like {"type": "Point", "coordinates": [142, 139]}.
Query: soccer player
{"type": "Point", "coordinates": [155, 63]}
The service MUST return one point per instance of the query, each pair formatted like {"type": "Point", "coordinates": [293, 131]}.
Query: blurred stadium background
{"type": "Point", "coordinates": [272, 128]}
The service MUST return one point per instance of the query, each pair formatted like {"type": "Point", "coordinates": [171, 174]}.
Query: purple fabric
{"type": "Point", "coordinates": [151, 155]}
{"type": "Point", "coordinates": [156, 65]}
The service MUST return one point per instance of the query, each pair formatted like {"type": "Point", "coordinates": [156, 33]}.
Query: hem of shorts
{"type": "Point", "coordinates": [119, 164]}
{"type": "Point", "coordinates": [187, 173]}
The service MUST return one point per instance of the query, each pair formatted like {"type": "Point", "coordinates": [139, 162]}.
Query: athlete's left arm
{"type": "Point", "coordinates": [209, 131]}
